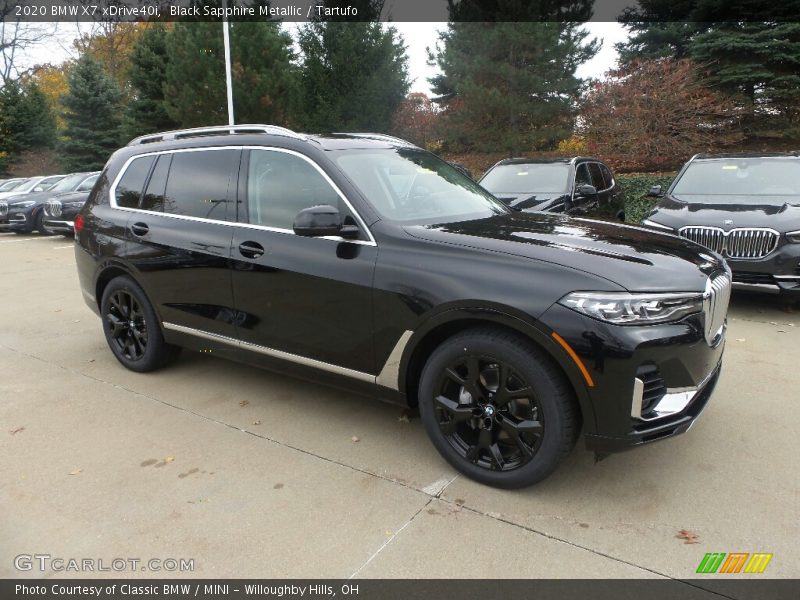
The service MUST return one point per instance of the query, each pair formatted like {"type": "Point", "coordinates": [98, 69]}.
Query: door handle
{"type": "Point", "coordinates": [140, 229]}
{"type": "Point", "coordinates": [251, 249]}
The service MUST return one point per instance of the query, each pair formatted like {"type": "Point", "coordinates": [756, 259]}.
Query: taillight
{"type": "Point", "coordinates": [78, 223]}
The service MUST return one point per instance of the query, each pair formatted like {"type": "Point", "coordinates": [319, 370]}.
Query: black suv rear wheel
{"type": "Point", "coordinates": [497, 408]}
{"type": "Point", "coordinates": [131, 327]}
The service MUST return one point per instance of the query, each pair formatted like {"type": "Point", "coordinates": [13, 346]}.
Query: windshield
{"type": "Point", "coordinates": [12, 185]}
{"type": "Point", "coordinates": [415, 186]}
{"type": "Point", "coordinates": [740, 179]}
{"type": "Point", "coordinates": [541, 178]}
{"type": "Point", "coordinates": [48, 182]}
{"type": "Point", "coordinates": [69, 183]}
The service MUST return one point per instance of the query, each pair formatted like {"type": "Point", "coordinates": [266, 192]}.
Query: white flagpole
{"type": "Point", "coordinates": [228, 84]}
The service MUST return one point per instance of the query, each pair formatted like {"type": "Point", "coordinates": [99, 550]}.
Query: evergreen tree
{"type": "Point", "coordinates": [355, 75]}
{"type": "Point", "coordinates": [147, 112]}
{"type": "Point", "coordinates": [748, 57]}
{"type": "Point", "coordinates": [511, 86]}
{"type": "Point", "coordinates": [265, 81]}
{"type": "Point", "coordinates": [26, 119]}
{"type": "Point", "coordinates": [92, 117]}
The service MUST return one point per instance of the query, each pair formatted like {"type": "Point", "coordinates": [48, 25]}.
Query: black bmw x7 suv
{"type": "Point", "coordinates": [362, 260]}
{"type": "Point", "coordinates": [747, 208]}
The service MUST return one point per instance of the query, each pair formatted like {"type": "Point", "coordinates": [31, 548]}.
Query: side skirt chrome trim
{"type": "Point", "coordinates": [763, 287]}
{"type": "Point", "coordinates": [295, 358]}
{"type": "Point", "coordinates": [390, 374]}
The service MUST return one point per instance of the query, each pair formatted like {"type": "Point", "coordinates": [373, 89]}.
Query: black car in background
{"type": "Point", "coordinates": [24, 214]}
{"type": "Point", "coordinates": [60, 211]}
{"type": "Point", "coordinates": [745, 207]}
{"type": "Point", "coordinates": [366, 262]}
{"type": "Point", "coordinates": [578, 186]}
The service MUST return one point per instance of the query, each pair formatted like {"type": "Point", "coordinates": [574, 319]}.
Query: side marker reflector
{"type": "Point", "coordinates": [575, 358]}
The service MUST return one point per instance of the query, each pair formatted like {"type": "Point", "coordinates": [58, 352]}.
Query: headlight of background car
{"type": "Point", "coordinates": [793, 236]}
{"type": "Point", "coordinates": [23, 204]}
{"type": "Point", "coordinates": [622, 308]}
{"type": "Point", "coordinates": [650, 223]}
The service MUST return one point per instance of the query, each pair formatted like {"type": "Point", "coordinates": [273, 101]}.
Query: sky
{"type": "Point", "coordinates": [418, 38]}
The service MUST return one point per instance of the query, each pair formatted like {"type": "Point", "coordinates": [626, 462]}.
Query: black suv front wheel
{"type": "Point", "coordinates": [497, 408]}
{"type": "Point", "coordinates": [131, 327]}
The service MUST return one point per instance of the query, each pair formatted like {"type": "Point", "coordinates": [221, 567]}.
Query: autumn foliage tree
{"type": "Point", "coordinates": [654, 114]}
{"type": "Point", "coordinates": [416, 119]}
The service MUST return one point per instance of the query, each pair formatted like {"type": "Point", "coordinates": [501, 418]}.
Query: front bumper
{"type": "Point", "coordinates": [777, 273]}
{"type": "Point", "coordinates": [648, 382]}
{"type": "Point", "coordinates": [15, 221]}
{"type": "Point", "coordinates": [60, 226]}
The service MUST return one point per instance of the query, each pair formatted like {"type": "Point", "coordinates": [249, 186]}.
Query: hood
{"type": "Point", "coordinates": [635, 258]}
{"type": "Point", "coordinates": [781, 213]}
{"type": "Point", "coordinates": [38, 197]}
{"type": "Point", "coordinates": [66, 197]}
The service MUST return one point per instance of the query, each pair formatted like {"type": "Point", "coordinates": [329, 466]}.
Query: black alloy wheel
{"type": "Point", "coordinates": [498, 408]}
{"type": "Point", "coordinates": [488, 413]}
{"type": "Point", "coordinates": [131, 327]}
{"type": "Point", "coordinates": [126, 325]}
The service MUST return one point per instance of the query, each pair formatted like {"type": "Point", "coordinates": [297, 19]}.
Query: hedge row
{"type": "Point", "coordinates": [636, 186]}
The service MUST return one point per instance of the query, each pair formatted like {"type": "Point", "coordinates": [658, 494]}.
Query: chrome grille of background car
{"type": "Point", "coordinates": [715, 305]}
{"type": "Point", "coordinates": [52, 208]}
{"type": "Point", "coordinates": [3, 209]}
{"type": "Point", "coordinates": [736, 243]}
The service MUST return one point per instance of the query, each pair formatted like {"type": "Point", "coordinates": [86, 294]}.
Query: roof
{"type": "Point", "coordinates": [333, 141]}
{"type": "Point", "coordinates": [793, 154]}
{"type": "Point", "coordinates": [545, 160]}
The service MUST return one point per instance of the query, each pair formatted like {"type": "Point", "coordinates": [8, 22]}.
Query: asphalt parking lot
{"type": "Point", "coordinates": [252, 474]}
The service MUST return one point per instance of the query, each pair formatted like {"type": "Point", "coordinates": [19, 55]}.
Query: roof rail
{"type": "Point", "coordinates": [179, 134]}
{"type": "Point", "coordinates": [380, 137]}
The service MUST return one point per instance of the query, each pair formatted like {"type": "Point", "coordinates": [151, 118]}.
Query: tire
{"type": "Point", "coordinates": [39, 224]}
{"type": "Point", "coordinates": [514, 434]}
{"type": "Point", "coordinates": [132, 329]}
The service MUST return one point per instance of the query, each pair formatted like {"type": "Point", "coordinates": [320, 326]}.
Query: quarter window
{"type": "Point", "coordinates": [129, 188]}
{"type": "Point", "coordinates": [201, 184]}
{"type": "Point", "coordinates": [280, 185]}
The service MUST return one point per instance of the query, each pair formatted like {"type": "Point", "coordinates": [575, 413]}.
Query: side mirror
{"type": "Point", "coordinates": [321, 221]}
{"type": "Point", "coordinates": [655, 191]}
{"type": "Point", "coordinates": [38, 188]}
{"type": "Point", "coordinates": [585, 190]}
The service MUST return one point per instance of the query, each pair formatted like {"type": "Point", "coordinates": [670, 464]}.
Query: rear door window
{"type": "Point", "coordinates": [153, 198]}
{"type": "Point", "coordinates": [597, 176]}
{"type": "Point", "coordinates": [607, 175]}
{"type": "Point", "coordinates": [130, 186]}
{"type": "Point", "coordinates": [202, 184]}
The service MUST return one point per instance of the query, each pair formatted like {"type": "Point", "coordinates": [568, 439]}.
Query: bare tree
{"type": "Point", "coordinates": [16, 38]}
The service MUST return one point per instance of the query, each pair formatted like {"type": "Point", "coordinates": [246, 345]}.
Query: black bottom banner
{"type": "Point", "coordinates": [403, 589]}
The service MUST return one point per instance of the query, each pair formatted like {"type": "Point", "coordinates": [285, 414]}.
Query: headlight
{"type": "Point", "coordinates": [622, 308]}
{"type": "Point", "coordinates": [650, 223]}
{"type": "Point", "coordinates": [793, 236]}
{"type": "Point", "coordinates": [23, 204]}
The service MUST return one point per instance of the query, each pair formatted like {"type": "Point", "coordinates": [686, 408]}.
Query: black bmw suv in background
{"type": "Point", "coordinates": [745, 207]}
{"type": "Point", "coordinates": [363, 261]}
{"type": "Point", "coordinates": [24, 214]}
{"type": "Point", "coordinates": [579, 186]}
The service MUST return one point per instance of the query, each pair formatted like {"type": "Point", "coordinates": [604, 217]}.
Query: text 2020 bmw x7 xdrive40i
{"type": "Point", "coordinates": [362, 260]}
